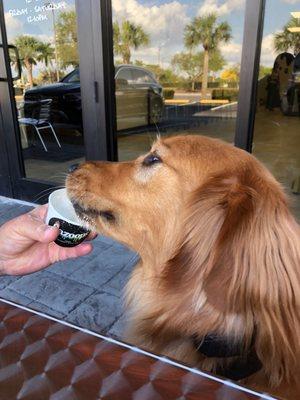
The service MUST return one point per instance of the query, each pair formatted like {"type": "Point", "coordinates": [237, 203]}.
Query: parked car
{"type": "Point", "coordinates": [139, 99]}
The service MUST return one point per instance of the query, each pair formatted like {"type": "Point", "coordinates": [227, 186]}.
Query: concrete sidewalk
{"type": "Point", "coordinates": [86, 291]}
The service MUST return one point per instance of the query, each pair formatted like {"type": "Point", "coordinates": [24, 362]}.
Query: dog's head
{"type": "Point", "coordinates": [141, 203]}
{"type": "Point", "coordinates": [204, 214]}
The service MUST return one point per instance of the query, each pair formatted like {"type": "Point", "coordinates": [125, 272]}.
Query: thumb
{"type": "Point", "coordinates": [30, 227]}
{"type": "Point", "coordinates": [48, 233]}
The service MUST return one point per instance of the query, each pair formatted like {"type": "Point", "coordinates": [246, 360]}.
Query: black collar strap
{"type": "Point", "coordinates": [242, 366]}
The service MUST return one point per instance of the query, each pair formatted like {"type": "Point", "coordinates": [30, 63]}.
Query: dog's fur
{"type": "Point", "coordinates": [219, 248]}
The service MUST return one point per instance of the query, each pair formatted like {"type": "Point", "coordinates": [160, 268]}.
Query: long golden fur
{"type": "Point", "coordinates": [219, 249]}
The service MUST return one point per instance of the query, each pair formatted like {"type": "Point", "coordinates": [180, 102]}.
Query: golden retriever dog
{"type": "Point", "coordinates": [218, 282]}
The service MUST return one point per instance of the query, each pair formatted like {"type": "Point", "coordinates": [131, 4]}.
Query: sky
{"type": "Point", "coordinates": [163, 20]}
{"type": "Point", "coordinates": [25, 23]}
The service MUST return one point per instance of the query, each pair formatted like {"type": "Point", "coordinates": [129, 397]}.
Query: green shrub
{"type": "Point", "coordinates": [180, 84]}
{"type": "Point", "coordinates": [18, 91]}
{"type": "Point", "coordinates": [168, 93]}
{"type": "Point", "coordinates": [225, 94]}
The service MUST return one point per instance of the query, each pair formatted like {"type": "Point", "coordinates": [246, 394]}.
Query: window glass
{"type": "Point", "coordinates": [73, 77]}
{"type": "Point", "coordinates": [124, 73]}
{"type": "Point", "coordinates": [49, 116]}
{"type": "Point", "coordinates": [277, 125]}
{"type": "Point", "coordinates": [140, 76]}
{"type": "Point", "coordinates": [195, 83]}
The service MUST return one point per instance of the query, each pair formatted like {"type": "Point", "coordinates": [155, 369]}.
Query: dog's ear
{"type": "Point", "coordinates": [215, 215]}
{"type": "Point", "coordinates": [242, 246]}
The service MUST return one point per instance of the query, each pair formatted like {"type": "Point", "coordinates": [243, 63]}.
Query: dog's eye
{"type": "Point", "coordinates": [151, 159]}
{"type": "Point", "coordinates": [107, 215]}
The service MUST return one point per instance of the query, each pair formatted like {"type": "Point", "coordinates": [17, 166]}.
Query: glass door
{"type": "Point", "coordinates": [175, 73]}
{"type": "Point", "coordinates": [43, 52]}
{"type": "Point", "coordinates": [277, 126]}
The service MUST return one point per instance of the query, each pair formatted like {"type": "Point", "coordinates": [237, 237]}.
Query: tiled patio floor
{"type": "Point", "coordinates": [86, 291]}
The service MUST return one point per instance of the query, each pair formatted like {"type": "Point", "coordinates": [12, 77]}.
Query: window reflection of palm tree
{"type": "Point", "coordinates": [128, 36]}
{"type": "Point", "coordinates": [209, 33]}
{"type": "Point", "coordinates": [286, 40]}
{"type": "Point", "coordinates": [28, 47]}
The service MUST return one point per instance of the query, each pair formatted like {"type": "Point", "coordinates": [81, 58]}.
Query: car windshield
{"type": "Point", "coordinates": [73, 77]}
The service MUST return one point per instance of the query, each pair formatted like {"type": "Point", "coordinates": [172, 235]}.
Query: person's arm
{"type": "Point", "coordinates": [27, 244]}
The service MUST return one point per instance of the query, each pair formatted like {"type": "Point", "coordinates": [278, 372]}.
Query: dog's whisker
{"type": "Point", "coordinates": [46, 192]}
{"type": "Point", "coordinates": [151, 139]}
{"type": "Point", "coordinates": [60, 175]}
{"type": "Point", "coordinates": [158, 133]}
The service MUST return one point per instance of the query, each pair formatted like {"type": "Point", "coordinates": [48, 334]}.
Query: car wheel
{"type": "Point", "coordinates": [156, 113]}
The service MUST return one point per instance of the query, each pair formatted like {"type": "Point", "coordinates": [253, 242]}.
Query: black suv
{"type": "Point", "coordinates": [139, 99]}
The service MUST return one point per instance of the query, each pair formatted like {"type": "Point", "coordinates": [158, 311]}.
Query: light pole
{"type": "Point", "coordinates": [160, 46]}
{"type": "Point", "coordinates": [55, 42]}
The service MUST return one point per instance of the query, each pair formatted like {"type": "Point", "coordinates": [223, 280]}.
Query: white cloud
{"type": "Point", "coordinates": [161, 21]}
{"type": "Point", "coordinates": [148, 55]}
{"type": "Point", "coordinates": [13, 26]}
{"type": "Point", "coordinates": [45, 38]}
{"type": "Point", "coordinates": [268, 53]}
{"type": "Point", "coordinates": [232, 52]}
{"type": "Point", "coordinates": [220, 7]}
{"type": "Point", "coordinates": [164, 23]}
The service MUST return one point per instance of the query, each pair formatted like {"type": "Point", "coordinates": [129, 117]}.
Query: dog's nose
{"type": "Point", "coordinates": [73, 168]}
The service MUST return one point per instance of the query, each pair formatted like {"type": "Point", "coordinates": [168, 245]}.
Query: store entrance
{"type": "Point", "coordinates": [50, 64]}
{"type": "Point", "coordinates": [47, 94]}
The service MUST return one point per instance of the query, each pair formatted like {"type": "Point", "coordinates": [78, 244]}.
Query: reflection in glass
{"type": "Point", "coordinates": [180, 64]}
{"type": "Point", "coordinates": [277, 126]}
{"type": "Point", "coordinates": [47, 93]}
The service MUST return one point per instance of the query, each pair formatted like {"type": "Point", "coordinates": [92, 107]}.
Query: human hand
{"type": "Point", "coordinates": [27, 244]}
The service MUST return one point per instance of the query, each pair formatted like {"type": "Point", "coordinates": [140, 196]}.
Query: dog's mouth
{"type": "Point", "coordinates": [86, 215]}
{"type": "Point", "coordinates": [90, 215]}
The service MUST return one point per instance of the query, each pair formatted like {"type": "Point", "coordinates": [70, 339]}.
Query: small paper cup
{"type": "Point", "coordinates": [62, 214]}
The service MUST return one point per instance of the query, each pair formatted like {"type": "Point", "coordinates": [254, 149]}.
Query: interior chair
{"type": "Point", "coordinates": [41, 122]}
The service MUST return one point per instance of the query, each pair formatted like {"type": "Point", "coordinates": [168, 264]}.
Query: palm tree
{"type": "Point", "coordinates": [128, 36]}
{"type": "Point", "coordinates": [45, 53]}
{"type": "Point", "coordinates": [288, 41]}
{"type": "Point", "coordinates": [207, 32]}
{"type": "Point", "coordinates": [28, 47]}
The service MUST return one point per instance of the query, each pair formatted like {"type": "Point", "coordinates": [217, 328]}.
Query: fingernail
{"type": "Point", "coordinates": [45, 228]}
{"type": "Point", "coordinates": [54, 227]}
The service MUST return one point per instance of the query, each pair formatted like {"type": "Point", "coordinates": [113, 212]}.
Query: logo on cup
{"type": "Point", "coordinates": [70, 235]}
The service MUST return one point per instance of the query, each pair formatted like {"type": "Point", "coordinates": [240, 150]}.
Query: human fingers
{"type": "Point", "coordinates": [31, 227]}
{"type": "Point", "coordinates": [57, 253]}
{"type": "Point", "coordinates": [40, 211]}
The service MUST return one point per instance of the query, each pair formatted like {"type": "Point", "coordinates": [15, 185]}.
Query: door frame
{"type": "Point", "coordinates": [95, 39]}
{"type": "Point", "coordinates": [251, 50]}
